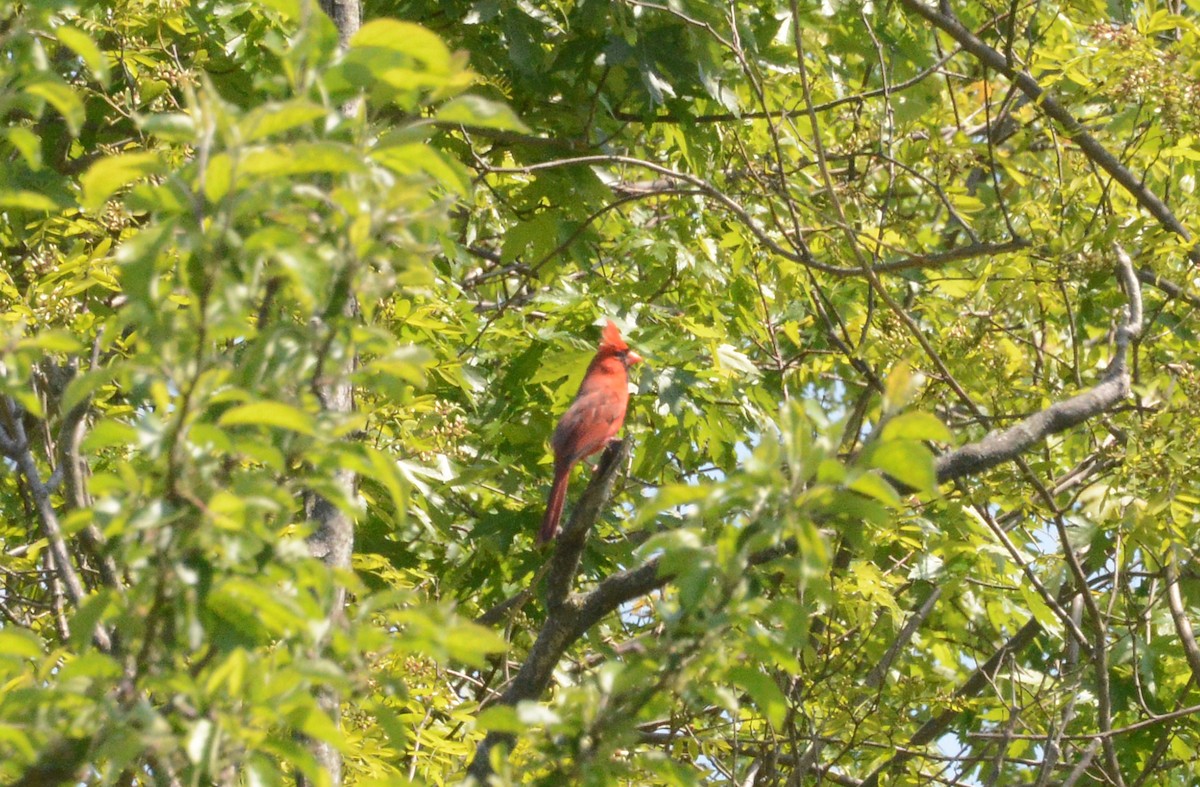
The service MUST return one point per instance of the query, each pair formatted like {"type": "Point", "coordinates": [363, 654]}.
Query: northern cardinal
{"type": "Point", "coordinates": [592, 420]}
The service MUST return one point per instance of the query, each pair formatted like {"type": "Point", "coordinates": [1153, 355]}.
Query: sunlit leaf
{"type": "Point", "coordinates": [274, 414]}
{"type": "Point", "coordinates": [108, 175]}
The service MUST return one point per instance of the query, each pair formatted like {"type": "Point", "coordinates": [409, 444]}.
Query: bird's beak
{"type": "Point", "coordinates": [631, 358]}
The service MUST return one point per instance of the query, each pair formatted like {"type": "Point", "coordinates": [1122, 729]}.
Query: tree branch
{"type": "Point", "coordinates": [1004, 445]}
{"type": "Point", "coordinates": [16, 445]}
{"type": "Point", "coordinates": [332, 540]}
{"type": "Point", "coordinates": [1050, 104]}
{"type": "Point", "coordinates": [743, 216]}
{"type": "Point", "coordinates": [566, 620]}
{"type": "Point", "coordinates": [1183, 626]}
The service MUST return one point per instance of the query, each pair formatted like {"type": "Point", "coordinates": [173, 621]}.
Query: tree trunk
{"type": "Point", "coordinates": [332, 540]}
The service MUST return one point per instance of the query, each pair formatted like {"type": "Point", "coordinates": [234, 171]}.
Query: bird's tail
{"type": "Point", "coordinates": [554, 507]}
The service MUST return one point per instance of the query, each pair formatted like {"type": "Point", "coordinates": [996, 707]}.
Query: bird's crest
{"type": "Point", "coordinates": [610, 337]}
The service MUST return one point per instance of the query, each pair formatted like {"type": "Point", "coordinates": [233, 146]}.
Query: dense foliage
{"type": "Point", "coordinates": [850, 239]}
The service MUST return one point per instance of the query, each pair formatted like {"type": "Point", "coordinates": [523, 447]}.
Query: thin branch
{"type": "Point", "coordinates": [12, 436]}
{"type": "Point", "coordinates": [756, 228]}
{"type": "Point", "coordinates": [1050, 104]}
{"type": "Point", "coordinates": [914, 622]}
{"type": "Point", "coordinates": [1183, 626]}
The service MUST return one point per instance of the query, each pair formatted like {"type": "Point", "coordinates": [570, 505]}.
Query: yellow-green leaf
{"type": "Point", "coordinates": [82, 44]}
{"type": "Point", "coordinates": [916, 426]}
{"type": "Point", "coordinates": [764, 693]}
{"type": "Point", "coordinates": [406, 37]}
{"type": "Point", "coordinates": [907, 461]}
{"type": "Point", "coordinates": [274, 414]}
{"type": "Point", "coordinates": [276, 118]}
{"type": "Point", "coordinates": [19, 643]}
{"type": "Point", "coordinates": [476, 111]}
{"type": "Point", "coordinates": [27, 200]}
{"type": "Point", "coordinates": [108, 175]}
{"type": "Point", "coordinates": [60, 96]}
{"type": "Point", "coordinates": [299, 159]}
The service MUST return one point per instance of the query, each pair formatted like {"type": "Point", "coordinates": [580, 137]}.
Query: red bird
{"type": "Point", "coordinates": [592, 420]}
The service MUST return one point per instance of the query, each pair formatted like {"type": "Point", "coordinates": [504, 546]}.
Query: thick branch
{"type": "Point", "coordinates": [1169, 288]}
{"type": "Point", "coordinates": [1007, 444]}
{"type": "Point", "coordinates": [346, 16]}
{"type": "Point", "coordinates": [566, 619]}
{"type": "Point", "coordinates": [1004, 445]}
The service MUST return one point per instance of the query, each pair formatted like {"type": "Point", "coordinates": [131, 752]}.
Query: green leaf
{"type": "Point", "coordinates": [916, 426]}
{"type": "Point", "coordinates": [416, 157]}
{"type": "Point", "coordinates": [1041, 610]}
{"type": "Point", "coordinates": [16, 642]}
{"type": "Point", "coordinates": [27, 144]}
{"type": "Point", "coordinates": [382, 467]}
{"type": "Point", "coordinates": [230, 675]}
{"type": "Point", "coordinates": [873, 486]}
{"type": "Point", "coordinates": [254, 611]}
{"type": "Point", "coordinates": [398, 733]}
{"type": "Point", "coordinates": [907, 461]}
{"type": "Point", "coordinates": [278, 117]}
{"type": "Point", "coordinates": [91, 666]}
{"type": "Point", "coordinates": [83, 45]}
{"type": "Point", "coordinates": [317, 724]}
{"type": "Point", "coordinates": [273, 414]}
{"type": "Point", "coordinates": [472, 644]}
{"type": "Point", "coordinates": [289, 9]}
{"type": "Point", "coordinates": [302, 158]}
{"type": "Point", "coordinates": [729, 359]}
{"type": "Point", "coordinates": [901, 386]}
{"type": "Point", "coordinates": [60, 96]}
{"type": "Point", "coordinates": [403, 37]}
{"type": "Point", "coordinates": [764, 693]}
{"type": "Point", "coordinates": [476, 111]}
{"type": "Point", "coordinates": [27, 200]}
{"type": "Point", "coordinates": [107, 175]}
{"type": "Point", "coordinates": [53, 341]}
{"type": "Point", "coordinates": [108, 433]}
{"type": "Point", "coordinates": [500, 718]}
{"type": "Point", "coordinates": [85, 619]}
{"type": "Point", "coordinates": [169, 126]}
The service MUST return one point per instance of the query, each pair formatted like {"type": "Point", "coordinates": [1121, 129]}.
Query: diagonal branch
{"type": "Point", "coordinates": [568, 549]}
{"type": "Point", "coordinates": [1183, 626]}
{"type": "Point", "coordinates": [565, 618]}
{"type": "Point", "coordinates": [15, 444]}
{"type": "Point", "coordinates": [1050, 104]}
{"type": "Point", "coordinates": [1007, 444]}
